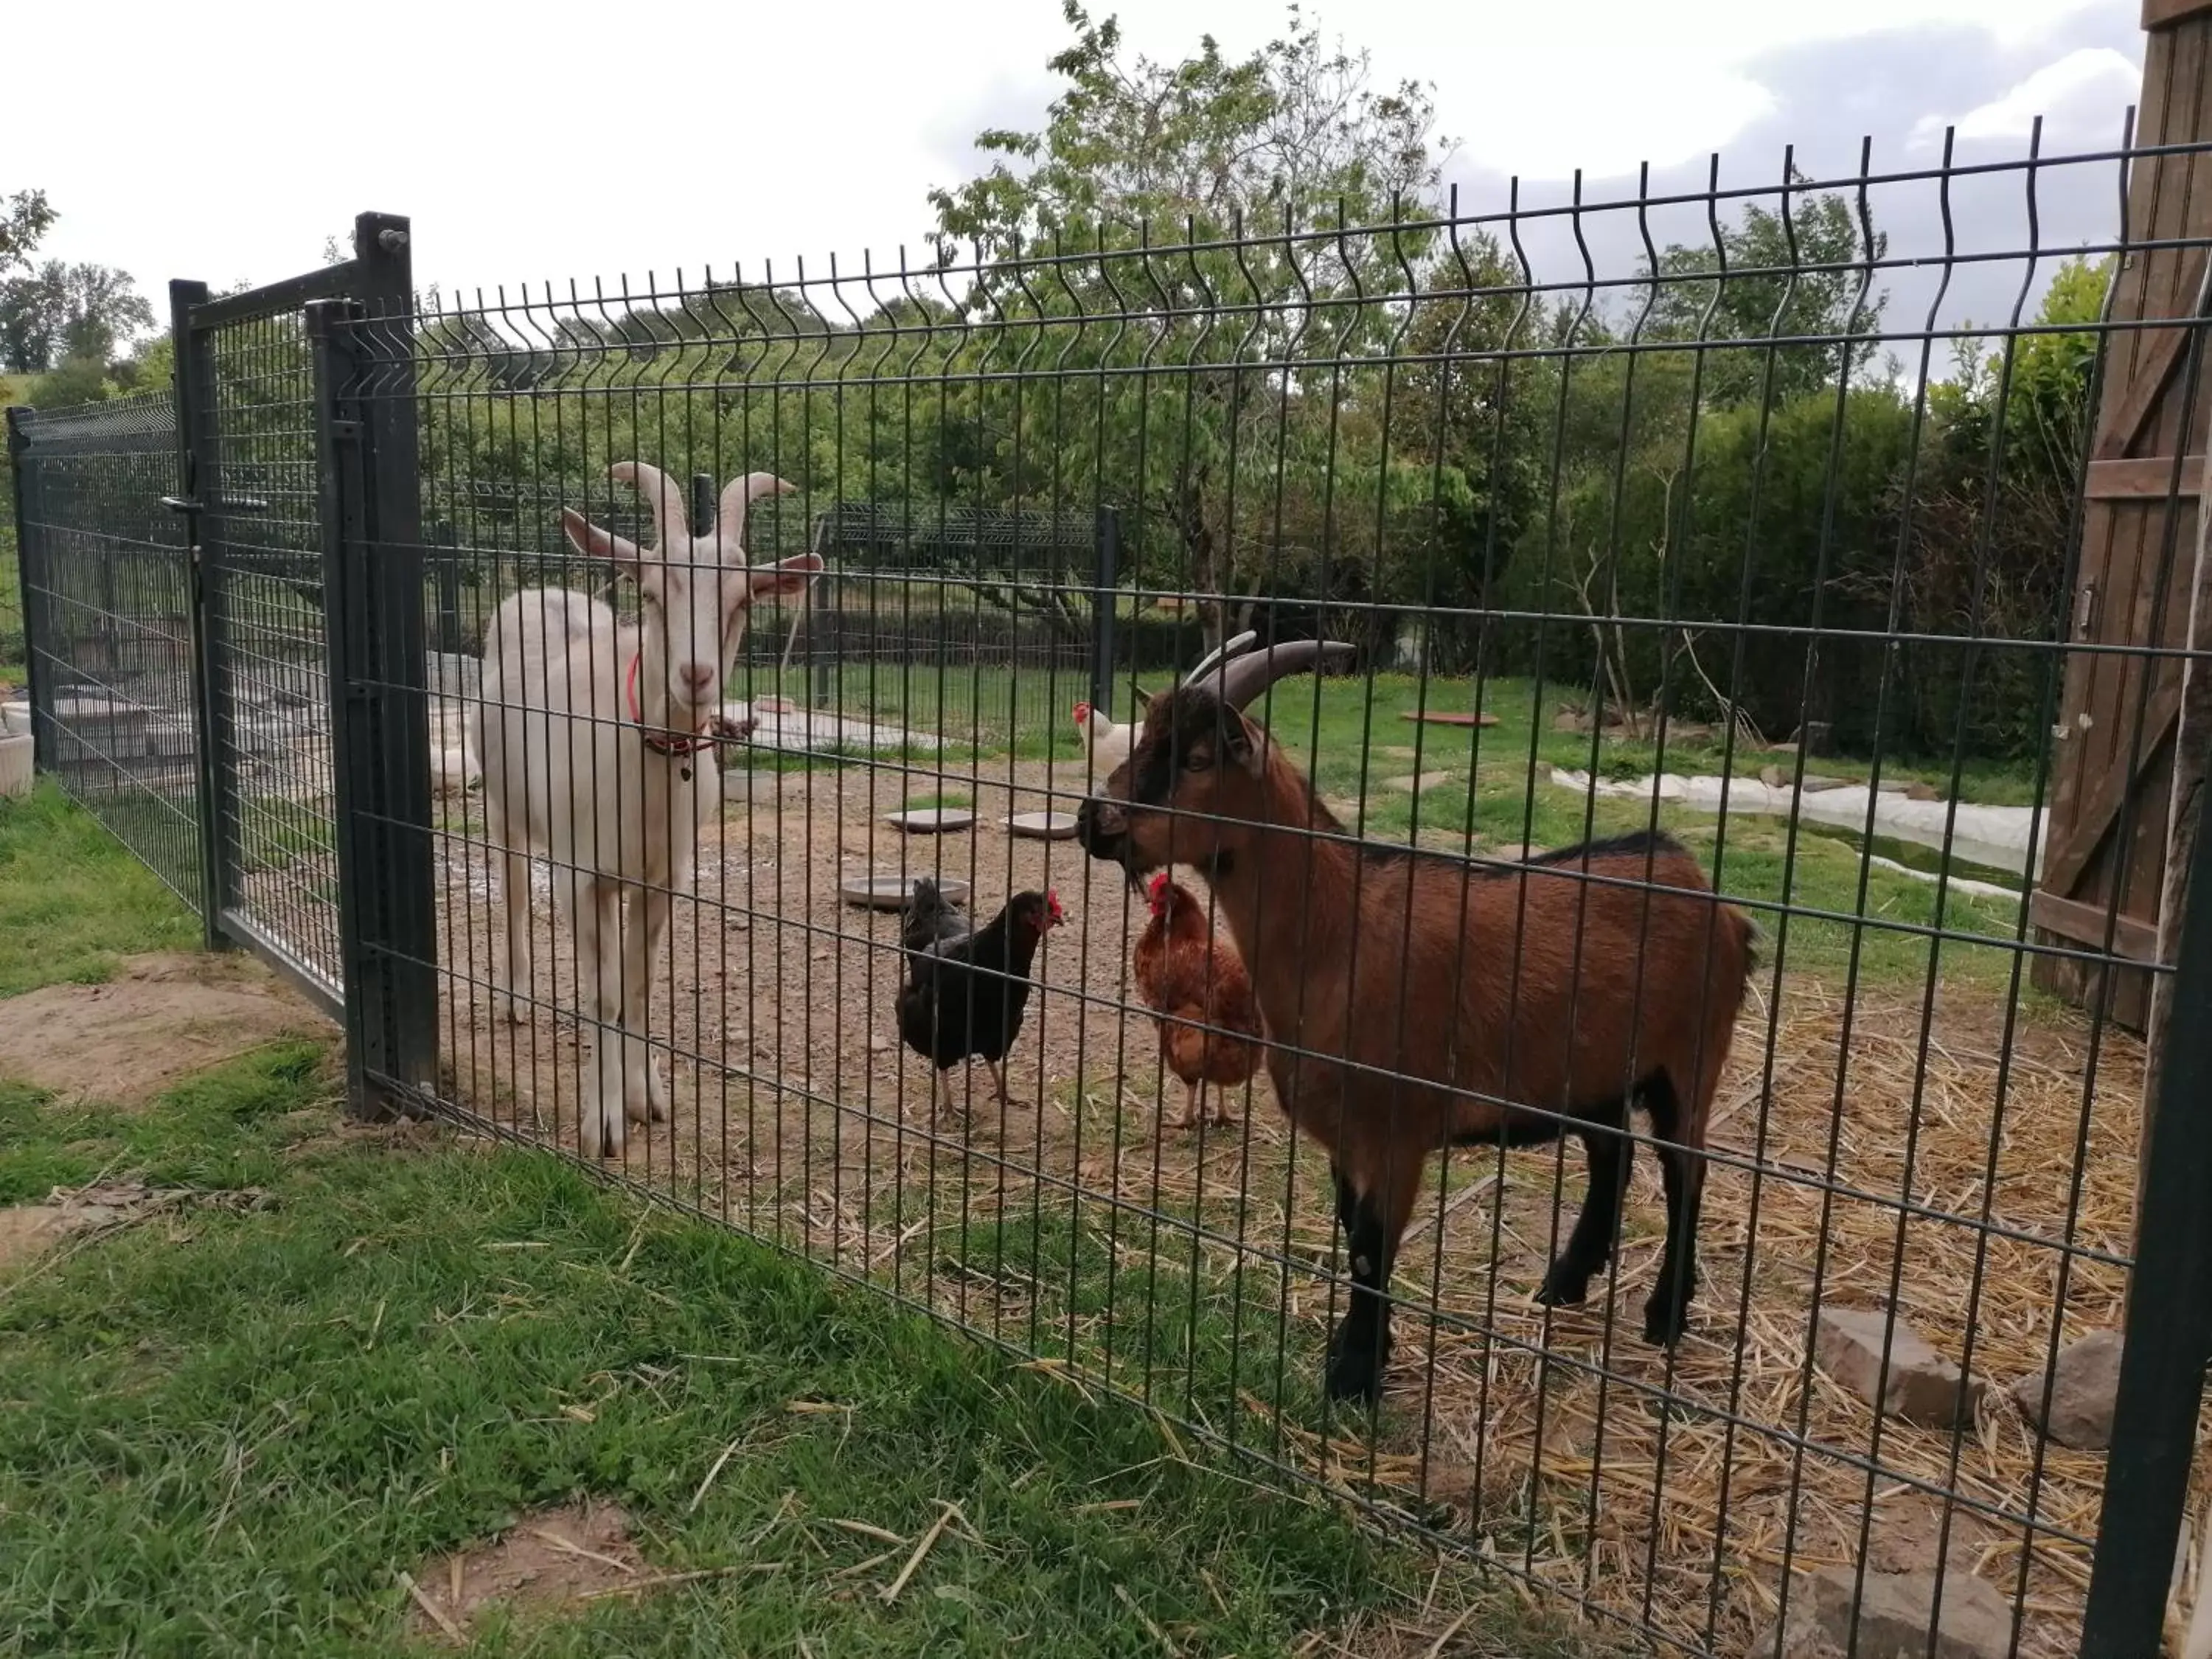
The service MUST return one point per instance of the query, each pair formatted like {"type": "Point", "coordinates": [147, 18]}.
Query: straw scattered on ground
{"type": "Point", "coordinates": [1909, 1147]}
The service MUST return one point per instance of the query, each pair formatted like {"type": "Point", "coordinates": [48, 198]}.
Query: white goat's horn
{"type": "Point", "coordinates": [1241, 679]}
{"type": "Point", "coordinates": [730, 515]}
{"type": "Point", "coordinates": [671, 523]}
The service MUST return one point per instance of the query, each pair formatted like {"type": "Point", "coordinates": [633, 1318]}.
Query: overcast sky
{"type": "Point", "coordinates": [227, 140]}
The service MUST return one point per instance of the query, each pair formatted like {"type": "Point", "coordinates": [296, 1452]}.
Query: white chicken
{"type": "Point", "coordinates": [1109, 742]}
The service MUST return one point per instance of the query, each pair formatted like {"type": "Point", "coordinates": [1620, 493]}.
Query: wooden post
{"type": "Point", "coordinates": [2122, 782]}
{"type": "Point", "coordinates": [2192, 744]}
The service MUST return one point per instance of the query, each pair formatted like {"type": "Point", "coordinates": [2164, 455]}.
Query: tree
{"type": "Point", "coordinates": [62, 311]}
{"type": "Point", "coordinates": [1187, 232]}
{"type": "Point", "coordinates": [1802, 277]}
{"type": "Point", "coordinates": [73, 380]}
{"type": "Point", "coordinates": [1990, 519]}
{"type": "Point", "coordinates": [25, 218]}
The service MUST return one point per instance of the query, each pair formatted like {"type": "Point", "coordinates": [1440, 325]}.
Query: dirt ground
{"type": "Point", "coordinates": [1666, 1489]}
{"type": "Point", "coordinates": [160, 1019]}
{"type": "Point", "coordinates": [546, 1559]}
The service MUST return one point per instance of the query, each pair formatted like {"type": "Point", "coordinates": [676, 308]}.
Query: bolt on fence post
{"type": "Point", "coordinates": [1105, 576]}
{"type": "Point", "coordinates": [193, 357]}
{"type": "Point", "coordinates": [2168, 1335]}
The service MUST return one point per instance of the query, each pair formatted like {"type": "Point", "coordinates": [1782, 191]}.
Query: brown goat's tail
{"type": "Point", "coordinates": [1754, 937]}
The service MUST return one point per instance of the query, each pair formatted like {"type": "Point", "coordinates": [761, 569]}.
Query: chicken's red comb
{"type": "Point", "coordinates": [1082, 711]}
{"type": "Point", "coordinates": [1159, 884]}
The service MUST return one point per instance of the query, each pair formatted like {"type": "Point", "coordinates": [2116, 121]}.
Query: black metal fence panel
{"type": "Point", "coordinates": [268, 697]}
{"type": "Point", "coordinates": [1700, 530]}
{"type": "Point", "coordinates": [1489, 787]}
{"type": "Point", "coordinates": [107, 575]}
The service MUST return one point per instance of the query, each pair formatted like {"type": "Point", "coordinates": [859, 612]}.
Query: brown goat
{"type": "Point", "coordinates": [1415, 1001]}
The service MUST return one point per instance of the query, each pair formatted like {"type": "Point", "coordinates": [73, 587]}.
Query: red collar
{"type": "Point", "coordinates": [660, 741]}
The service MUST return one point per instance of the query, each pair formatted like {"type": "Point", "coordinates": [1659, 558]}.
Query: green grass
{"type": "Point", "coordinates": [227, 1428]}
{"type": "Point", "coordinates": [1340, 750]}
{"type": "Point", "coordinates": [992, 709]}
{"type": "Point", "coordinates": [949, 797]}
{"type": "Point", "coordinates": [72, 901]}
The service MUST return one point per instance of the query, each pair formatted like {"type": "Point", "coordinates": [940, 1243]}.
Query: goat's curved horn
{"type": "Point", "coordinates": [1227, 649]}
{"type": "Point", "coordinates": [730, 515]}
{"type": "Point", "coordinates": [1241, 679]}
{"type": "Point", "coordinates": [671, 523]}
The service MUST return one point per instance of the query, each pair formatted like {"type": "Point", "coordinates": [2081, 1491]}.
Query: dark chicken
{"type": "Point", "coordinates": [1197, 983]}
{"type": "Point", "coordinates": [930, 919]}
{"type": "Point", "coordinates": [965, 995]}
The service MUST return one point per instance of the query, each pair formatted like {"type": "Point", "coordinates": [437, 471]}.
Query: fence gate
{"type": "Point", "coordinates": [223, 606]}
{"type": "Point", "coordinates": [271, 495]}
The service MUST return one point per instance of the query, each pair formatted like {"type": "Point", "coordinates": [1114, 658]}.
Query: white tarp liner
{"type": "Point", "coordinates": [1996, 837]}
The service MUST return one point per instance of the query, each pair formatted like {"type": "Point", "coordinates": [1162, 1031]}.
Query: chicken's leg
{"type": "Point", "coordinates": [999, 1078]}
{"type": "Point", "coordinates": [1221, 1112]}
{"type": "Point", "coordinates": [1189, 1117]}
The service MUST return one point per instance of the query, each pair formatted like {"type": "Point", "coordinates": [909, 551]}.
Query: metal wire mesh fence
{"type": "Point", "coordinates": [106, 574]}
{"type": "Point", "coordinates": [1707, 552]}
{"type": "Point", "coordinates": [270, 706]}
{"type": "Point", "coordinates": [1549, 866]}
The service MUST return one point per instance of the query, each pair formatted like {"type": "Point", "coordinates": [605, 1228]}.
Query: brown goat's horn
{"type": "Point", "coordinates": [1241, 678]}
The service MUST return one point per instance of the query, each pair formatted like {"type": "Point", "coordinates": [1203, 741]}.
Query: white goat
{"type": "Point", "coordinates": [589, 734]}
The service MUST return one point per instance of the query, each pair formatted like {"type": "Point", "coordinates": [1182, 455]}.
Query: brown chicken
{"type": "Point", "coordinates": [1186, 973]}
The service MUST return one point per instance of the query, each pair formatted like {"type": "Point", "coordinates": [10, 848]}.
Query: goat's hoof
{"type": "Point", "coordinates": [1664, 1325]}
{"type": "Point", "coordinates": [1355, 1373]}
{"type": "Point", "coordinates": [1563, 1287]}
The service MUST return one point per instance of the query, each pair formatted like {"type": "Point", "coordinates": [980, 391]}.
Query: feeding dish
{"type": "Point", "coordinates": [1041, 826]}
{"type": "Point", "coordinates": [891, 892]}
{"type": "Point", "coordinates": [931, 820]}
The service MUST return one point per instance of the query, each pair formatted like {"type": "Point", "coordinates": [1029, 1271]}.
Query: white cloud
{"type": "Point", "coordinates": [675, 131]}
{"type": "Point", "coordinates": [2081, 96]}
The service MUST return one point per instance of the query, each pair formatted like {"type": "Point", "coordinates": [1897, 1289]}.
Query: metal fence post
{"type": "Point", "coordinates": [377, 655]}
{"type": "Point", "coordinates": [1105, 578]}
{"type": "Point", "coordinates": [18, 469]}
{"type": "Point", "coordinates": [447, 579]}
{"type": "Point", "coordinates": [2168, 1337]}
{"type": "Point", "coordinates": [703, 501]}
{"type": "Point", "coordinates": [403, 808]}
{"type": "Point", "coordinates": [340, 497]}
{"type": "Point", "coordinates": [198, 472]}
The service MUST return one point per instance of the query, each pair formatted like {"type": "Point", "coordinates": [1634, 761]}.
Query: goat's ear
{"type": "Point", "coordinates": [593, 543]}
{"type": "Point", "coordinates": [1244, 744]}
{"type": "Point", "coordinates": [791, 576]}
